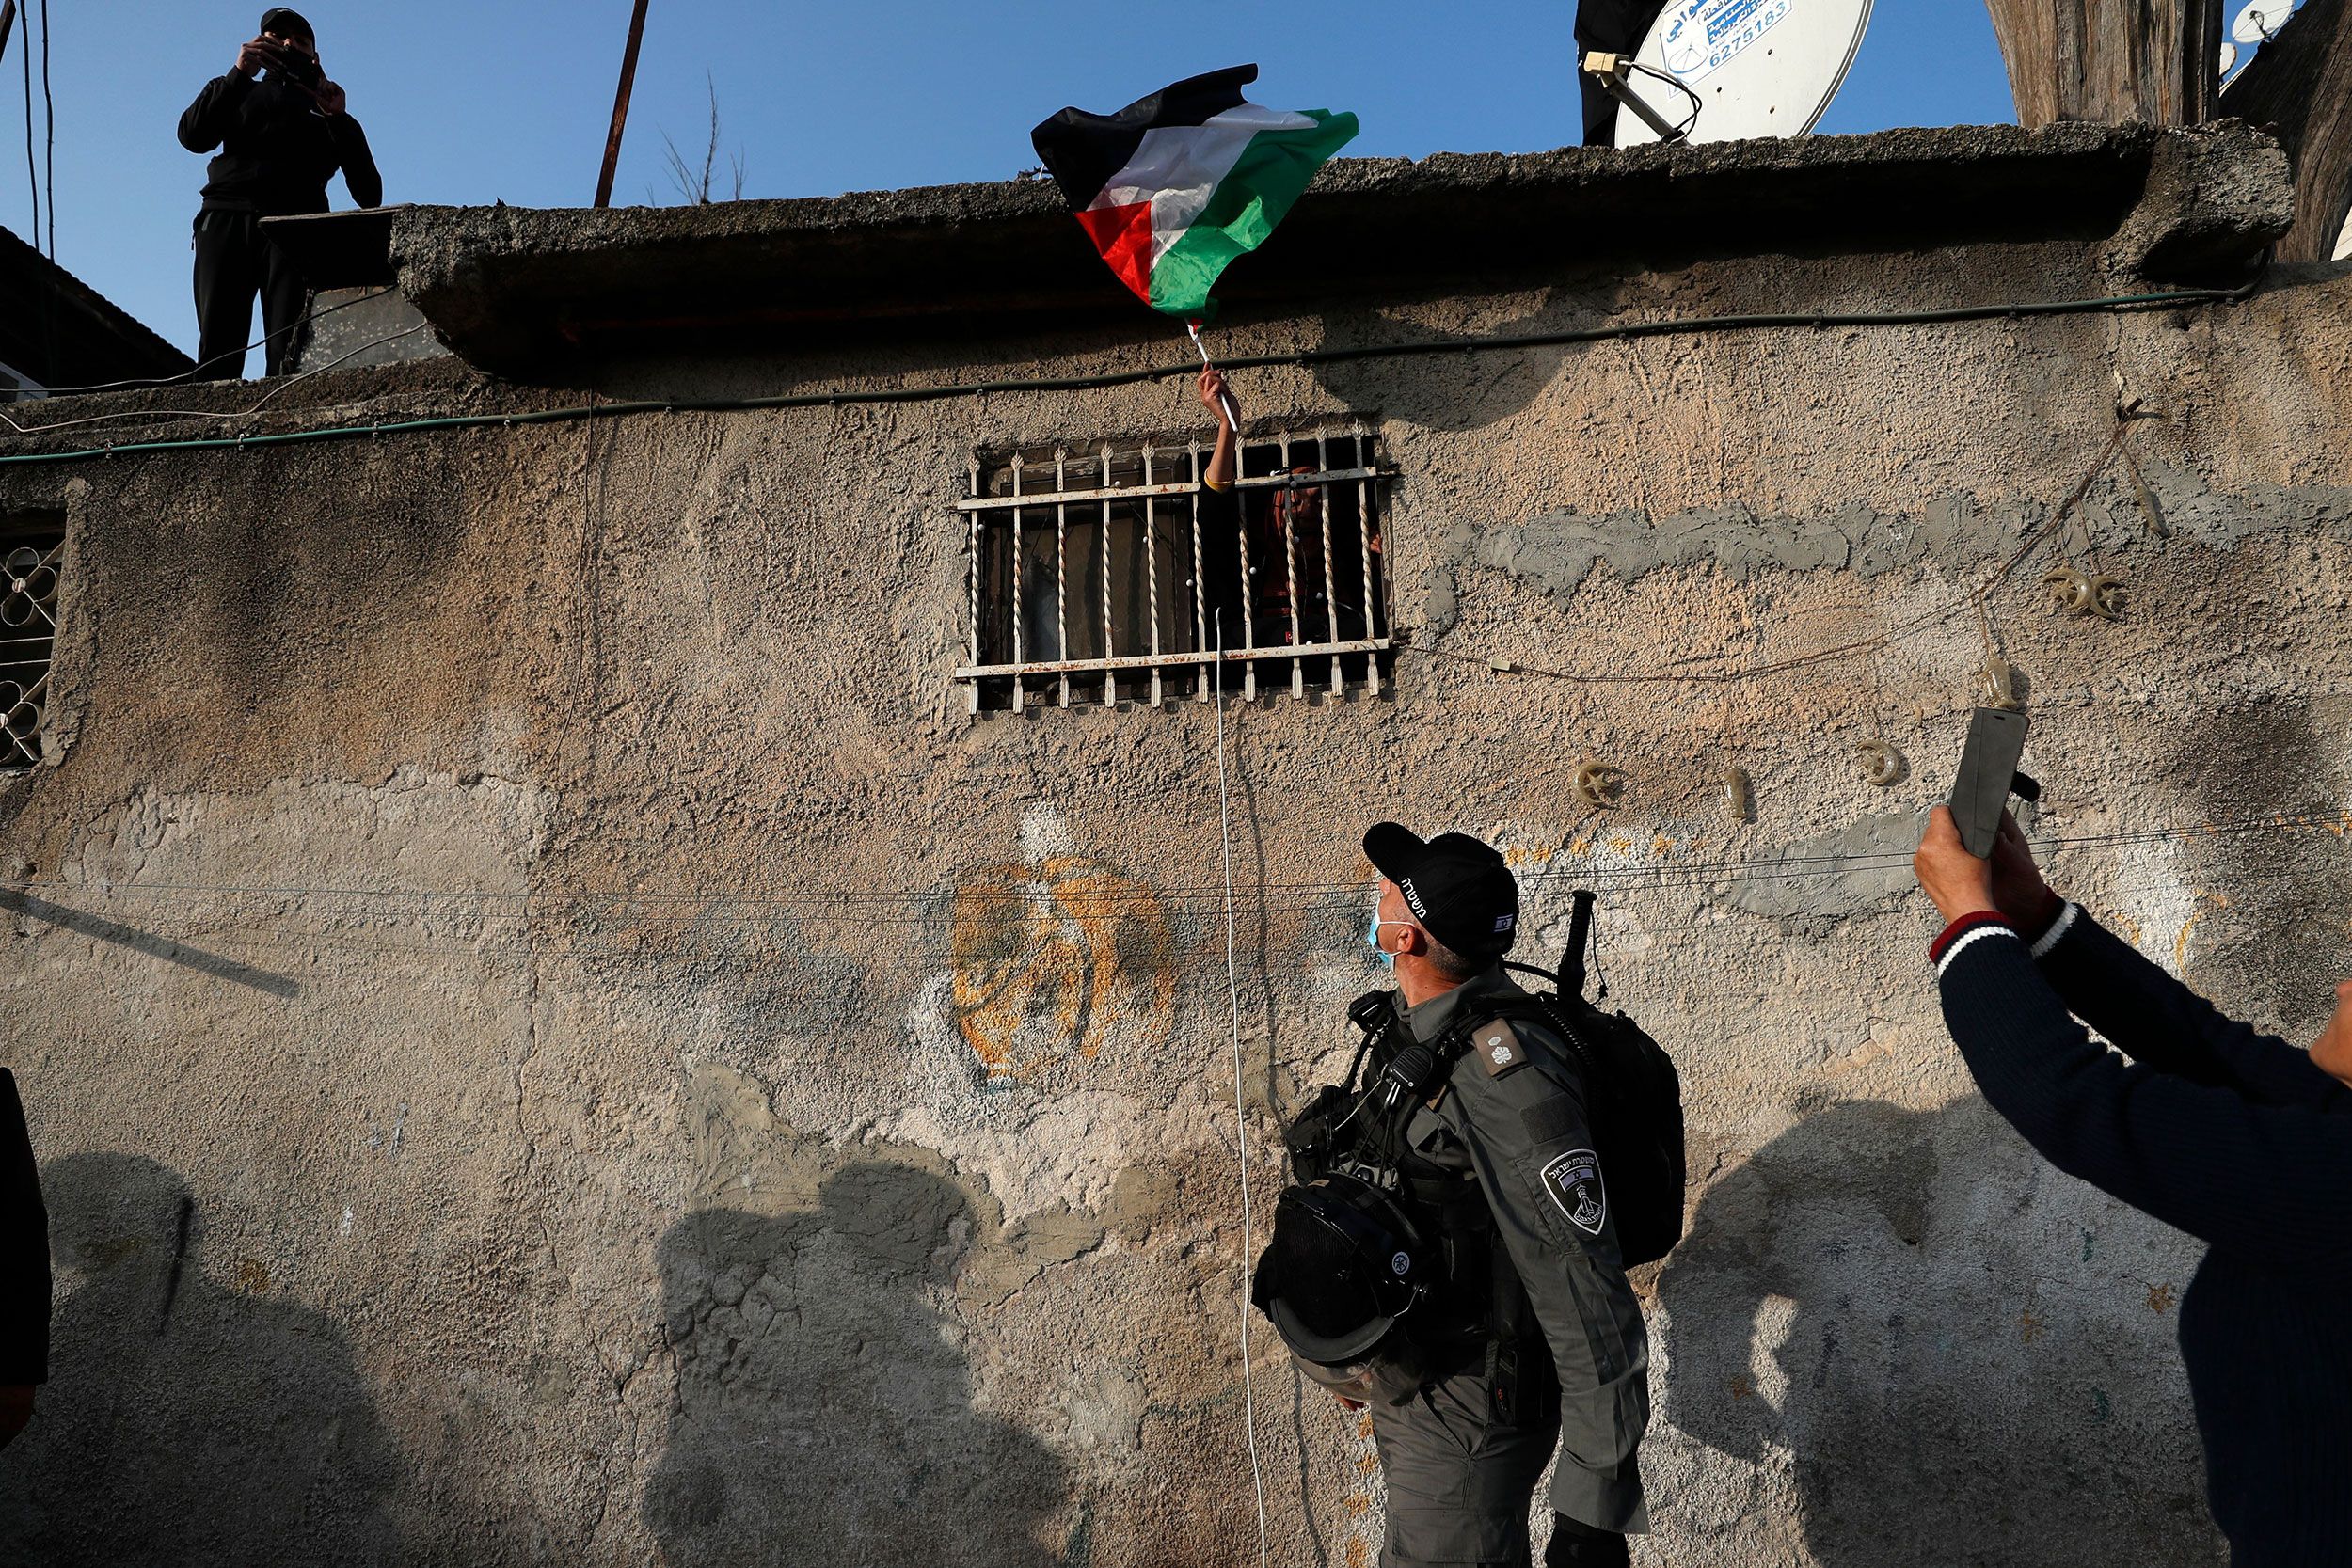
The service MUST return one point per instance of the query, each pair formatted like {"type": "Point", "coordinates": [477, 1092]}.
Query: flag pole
{"type": "Point", "coordinates": [1232, 420]}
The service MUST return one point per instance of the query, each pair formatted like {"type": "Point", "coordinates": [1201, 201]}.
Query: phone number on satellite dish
{"type": "Point", "coordinates": [1710, 33]}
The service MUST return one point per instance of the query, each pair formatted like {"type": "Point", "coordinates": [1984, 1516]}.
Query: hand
{"type": "Point", "coordinates": [328, 97]}
{"type": "Point", "coordinates": [2018, 889]}
{"type": "Point", "coordinates": [259, 55]}
{"type": "Point", "coordinates": [16, 1409]}
{"type": "Point", "coordinates": [1958, 881]}
{"type": "Point", "coordinates": [1214, 393]}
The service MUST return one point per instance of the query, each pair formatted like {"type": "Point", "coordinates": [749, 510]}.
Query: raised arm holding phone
{"type": "Point", "coordinates": [2236, 1137]}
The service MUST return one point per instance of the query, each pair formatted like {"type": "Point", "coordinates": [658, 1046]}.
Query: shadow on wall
{"type": "Point", "coordinates": [187, 1422]}
{"type": "Point", "coordinates": [1948, 1339]}
{"type": "Point", "coordinates": [823, 1413]}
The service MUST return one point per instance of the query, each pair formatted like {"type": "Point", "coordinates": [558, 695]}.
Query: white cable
{"type": "Point", "coordinates": [1241, 1122]}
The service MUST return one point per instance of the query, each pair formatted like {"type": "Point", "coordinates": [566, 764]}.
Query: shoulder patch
{"type": "Point", "coordinates": [1499, 1049]}
{"type": "Point", "coordinates": [1572, 1181]}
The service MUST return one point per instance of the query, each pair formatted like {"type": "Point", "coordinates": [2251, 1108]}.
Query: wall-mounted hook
{"type": "Point", "coordinates": [1597, 783]}
{"type": "Point", "coordinates": [1738, 795]}
{"type": "Point", "coordinates": [1883, 765]}
{"type": "Point", "coordinates": [1999, 684]}
{"type": "Point", "coordinates": [2099, 595]}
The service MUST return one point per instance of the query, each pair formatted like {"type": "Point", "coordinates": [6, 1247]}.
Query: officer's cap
{"type": "Point", "coordinates": [1457, 887]}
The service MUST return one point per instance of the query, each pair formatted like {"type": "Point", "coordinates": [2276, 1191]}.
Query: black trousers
{"type": "Point", "coordinates": [234, 263]}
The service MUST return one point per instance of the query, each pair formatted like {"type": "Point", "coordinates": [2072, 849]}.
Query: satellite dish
{"type": "Point", "coordinates": [2228, 56]}
{"type": "Point", "coordinates": [2259, 22]}
{"type": "Point", "coordinates": [1758, 68]}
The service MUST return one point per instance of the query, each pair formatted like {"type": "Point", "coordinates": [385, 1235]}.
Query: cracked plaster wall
{"type": "Point", "coordinates": [554, 1032]}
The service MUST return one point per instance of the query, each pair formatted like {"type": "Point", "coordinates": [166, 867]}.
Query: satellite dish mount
{"type": "Point", "coordinates": [1615, 73]}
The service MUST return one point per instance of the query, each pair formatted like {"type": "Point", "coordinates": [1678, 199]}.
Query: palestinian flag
{"type": "Point", "coordinates": [1173, 186]}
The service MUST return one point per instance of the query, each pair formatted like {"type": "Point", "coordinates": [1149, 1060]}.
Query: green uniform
{"type": "Point", "coordinates": [1512, 1118]}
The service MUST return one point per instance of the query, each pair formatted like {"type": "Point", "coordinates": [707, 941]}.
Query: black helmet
{"type": "Point", "coordinates": [1345, 1262]}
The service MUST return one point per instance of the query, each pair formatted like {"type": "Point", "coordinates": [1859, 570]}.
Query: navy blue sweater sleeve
{"type": "Point", "coordinates": [23, 1250]}
{"type": "Point", "coordinates": [2258, 1181]}
{"type": "Point", "coordinates": [2152, 1016]}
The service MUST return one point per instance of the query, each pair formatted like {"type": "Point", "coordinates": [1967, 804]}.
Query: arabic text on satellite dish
{"type": "Point", "coordinates": [1760, 67]}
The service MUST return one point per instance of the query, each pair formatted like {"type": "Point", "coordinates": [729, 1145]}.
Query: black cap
{"type": "Point", "coordinates": [1457, 887]}
{"type": "Point", "coordinates": [286, 24]}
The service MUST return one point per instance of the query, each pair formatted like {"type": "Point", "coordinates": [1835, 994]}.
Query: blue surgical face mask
{"type": "Point", "coordinates": [1372, 940]}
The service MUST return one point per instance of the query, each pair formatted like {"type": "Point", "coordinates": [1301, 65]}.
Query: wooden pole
{"type": "Point", "coordinates": [2109, 61]}
{"type": "Point", "coordinates": [8, 23]}
{"type": "Point", "coordinates": [2299, 88]}
{"type": "Point", "coordinates": [620, 105]}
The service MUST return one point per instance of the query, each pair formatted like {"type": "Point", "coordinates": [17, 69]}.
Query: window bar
{"type": "Point", "coordinates": [1363, 544]}
{"type": "Point", "coordinates": [1290, 563]}
{"type": "Point", "coordinates": [1061, 567]}
{"type": "Point", "coordinates": [974, 545]}
{"type": "Point", "coordinates": [1330, 582]}
{"type": "Point", "coordinates": [1248, 587]}
{"type": "Point", "coordinates": [1199, 572]}
{"type": "Point", "coordinates": [1102, 544]}
{"type": "Point", "coordinates": [1019, 697]}
{"type": "Point", "coordinates": [1152, 570]}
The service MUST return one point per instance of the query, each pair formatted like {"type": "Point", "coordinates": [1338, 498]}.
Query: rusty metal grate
{"type": "Point", "coordinates": [1114, 574]}
{"type": "Point", "coordinates": [29, 630]}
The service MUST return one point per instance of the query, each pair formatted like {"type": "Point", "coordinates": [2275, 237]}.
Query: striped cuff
{"type": "Point", "coordinates": [2057, 933]}
{"type": "Point", "coordinates": [1966, 930]}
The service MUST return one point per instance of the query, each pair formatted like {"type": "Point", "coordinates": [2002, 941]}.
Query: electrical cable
{"type": "Point", "coordinates": [194, 371]}
{"type": "Point", "coordinates": [1673, 81]}
{"type": "Point", "coordinates": [283, 384]}
{"type": "Point", "coordinates": [1926, 620]}
{"type": "Point", "coordinates": [1301, 357]}
{"type": "Point", "coordinates": [859, 907]}
{"type": "Point", "coordinates": [1241, 1120]}
{"type": "Point", "coordinates": [49, 130]}
{"type": "Point", "coordinates": [32, 173]}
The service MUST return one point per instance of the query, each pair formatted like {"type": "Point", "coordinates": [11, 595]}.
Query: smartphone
{"type": "Point", "coordinates": [1987, 772]}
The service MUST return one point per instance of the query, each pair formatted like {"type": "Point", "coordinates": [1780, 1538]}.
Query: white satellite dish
{"type": "Point", "coordinates": [2228, 56]}
{"type": "Point", "coordinates": [2259, 22]}
{"type": "Point", "coordinates": [1758, 68]}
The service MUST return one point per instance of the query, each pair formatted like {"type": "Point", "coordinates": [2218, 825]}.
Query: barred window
{"type": "Point", "coordinates": [1114, 574]}
{"type": "Point", "coordinates": [28, 629]}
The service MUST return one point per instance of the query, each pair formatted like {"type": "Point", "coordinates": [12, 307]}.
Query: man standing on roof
{"type": "Point", "coordinates": [282, 138]}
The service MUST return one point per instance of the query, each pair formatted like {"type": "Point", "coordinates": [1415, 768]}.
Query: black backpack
{"type": "Point", "coordinates": [1632, 1099]}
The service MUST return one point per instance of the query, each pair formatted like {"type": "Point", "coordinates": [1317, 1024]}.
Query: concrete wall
{"type": "Point", "coordinates": [507, 998]}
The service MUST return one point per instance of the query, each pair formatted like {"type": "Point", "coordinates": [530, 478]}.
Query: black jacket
{"type": "Point", "coordinates": [23, 1250]}
{"type": "Point", "coordinates": [276, 151]}
{"type": "Point", "coordinates": [2234, 1136]}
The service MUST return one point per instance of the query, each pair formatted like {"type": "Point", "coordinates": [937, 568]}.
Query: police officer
{"type": "Point", "coordinates": [1505, 1127]}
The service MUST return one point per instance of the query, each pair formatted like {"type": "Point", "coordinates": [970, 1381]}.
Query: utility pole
{"type": "Point", "coordinates": [620, 103]}
{"type": "Point", "coordinates": [2109, 61]}
{"type": "Point", "coordinates": [7, 21]}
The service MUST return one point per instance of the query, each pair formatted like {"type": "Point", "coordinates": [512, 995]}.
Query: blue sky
{"type": "Point", "coordinates": [476, 100]}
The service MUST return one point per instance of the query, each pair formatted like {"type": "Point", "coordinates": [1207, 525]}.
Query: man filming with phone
{"type": "Point", "coordinates": [2236, 1137]}
{"type": "Point", "coordinates": [281, 137]}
